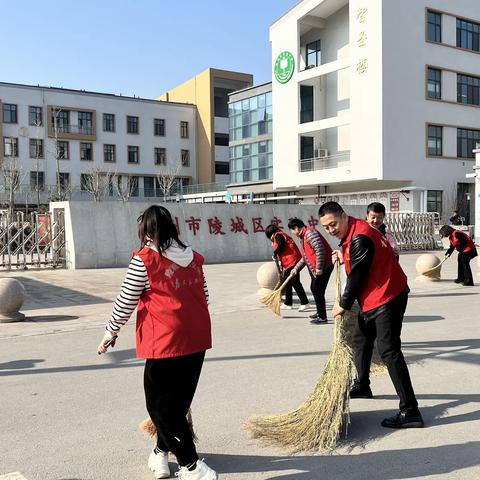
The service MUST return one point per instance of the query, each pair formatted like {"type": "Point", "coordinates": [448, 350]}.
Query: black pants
{"type": "Point", "coordinates": [464, 270]}
{"type": "Point", "coordinates": [385, 324]}
{"type": "Point", "coordinates": [318, 287]}
{"type": "Point", "coordinates": [170, 385]}
{"type": "Point", "coordinates": [296, 284]}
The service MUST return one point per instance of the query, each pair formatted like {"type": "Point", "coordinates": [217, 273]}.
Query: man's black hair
{"type": "Point", "coordinates": [270, 230]}
{"type": "Point", "coordinates": [376, 207]}
{"type": "Point", "coordinates": [295, 223]}
{"type": "Point", "coordinates": [330, 208]}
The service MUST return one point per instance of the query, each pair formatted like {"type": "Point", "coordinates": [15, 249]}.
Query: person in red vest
{"type": "Point", "coordinates": [165, 282]}
{"type": "Point", "coordinates": [465, 246]}
{"type": "Point", "coordinates": [317, 256]}
{"type": "Point", "coordinates": [376, 280]}
{"type": "Point", "coordinates": [288, 255]}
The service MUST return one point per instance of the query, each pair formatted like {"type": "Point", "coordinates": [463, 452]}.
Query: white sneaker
{"type": "Point", "coordinates": [285, 307]}
{"type": "Point", "coordinates": [304, 307]}
{"type": "Point", "coordinates": [158, 464]}
{"type": "Point", "coordinates": [202, 472]}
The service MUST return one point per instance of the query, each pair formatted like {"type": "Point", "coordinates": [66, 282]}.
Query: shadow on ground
{"type": "Point", "coordinates": [46, 295]}
{"type": "Point", "coordinates": [387, 465]}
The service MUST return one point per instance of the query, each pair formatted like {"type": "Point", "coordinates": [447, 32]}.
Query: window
{"type": "Point", "coordinates": [434, 201]}
{"type": "Point", "coordinates": [468, 35]}
{"type": "Point", "coordinates": [63, 150]}
{"type": "Point", "coordinates": [85, 123]}
{"type": "Point", "coordinates": [10, 147]}
{"type": "Point", "coordinates": [468, 89]}
{"type": "Point", "coordinates": [435, 135]}
{"type": "Point", "coordinates": [35, 116]}
{"type": "Point", "coordinates": [61, 120]}
{"type": "Point", "coordinates": [251, 162]}
{"type": "Point", "coordinates": [132, 124]}
{"type": "Point", "coordinates": [133, 186]}
{"type": "Point", "coordinates": [314, 54]}
{"type": "Point", "coordinates": [37, 181]}
{"type": "Point", "coordinates": [64, 180]}
{"type": "Point", "coordinates": [159, 127]}
{"type": "Point", "coordinates": [148, 186]}
{"type": "Point", "coordinates": [160, 156]}
{"type": "Point", "coordinates": [183, 129]}
{"type": "Point", "coordinates": [466, 142]}
{"type": "Point", "coordinates": [306, 147]}
{"type": "Point", "coordinates": [434, 26]}
{"type": "Point", "coordinates": [185, 156]}
{"type": "Point", "coordinates": [222, 168]}
{"type": "Point", "coordinates": [86, 182]}
{"type": "Point", "coordinates": [86, 151]}
{"type": "Point", "coordinates": [306, 103]}
{"type": "Point", "coordinates": [109, 153]}
{"type": "Point", "coordinates": [221, 139]}
{"type": "Point", "coordinates": [133, 154]}
{"type": "Point", "coordinates": [9, 113]}
{"type": "Point", "coordinates": [36, 148]}
{"type": "Point", "coordinates": [108, 122]}
{"type": "Point", "coordinates": [434, 85]}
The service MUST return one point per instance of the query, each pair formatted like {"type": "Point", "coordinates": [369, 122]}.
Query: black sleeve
{"type": "Point", "coordinates": [450, 250]}
{"type": "Point", "coordinates": [280, 244]}
{"type": "Point", "coordinates": [361, 257]}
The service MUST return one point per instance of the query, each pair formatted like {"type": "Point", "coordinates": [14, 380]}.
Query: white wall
{"type": "Point", "coordinates": [146, 110]}
{"type": "Point", "coordinates": [104, 234]}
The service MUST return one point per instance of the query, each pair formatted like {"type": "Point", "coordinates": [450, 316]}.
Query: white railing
{"type": "Point", "coordinates": [338, 160]}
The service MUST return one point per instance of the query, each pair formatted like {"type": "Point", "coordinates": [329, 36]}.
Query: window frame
{"type": "Point", "coordinates": [104, 122]}
{"type": "Point", "coordinates": [437, 26]}
{"type": "Point", "coordinates": [35, 185]}
{"type": "Point", "coordinates": [133, 149]}
{"type": "Point", "coordinates": [472, 95]}
{"type": "Point", "coordinates": [438, 140]}
{"type": "Point", "coordinates": [82, 150]}
{"type": "Point", "coordinates": [157, 156]}
{"type": "Point", "coordinates": [130, 121]}
{"type": "Point", "coordinates": [471, 142]}
{"type": "Point", "coordinates": [38, 112]}
{"type": "Point", "coordinates": [185, 157]}
{"type": "Point", "coordinates": [64, 143]}
{"type": "Point", "coordinates": [33, 143]}
{"type": "Point", "coordinates": [317, 51]}
{"type": "Point", "coordinates": [160, 123]}
{"type": "Point", "coordinates": [184, 129]}
{"type": "Point", "coordinates": [436, 82]}
{"type": "Point", "coordinates": [12, 112]}
{"type": "Point", "coordinates": [113, 151]}
{"type": "Point", "coordinates": [14, 146]}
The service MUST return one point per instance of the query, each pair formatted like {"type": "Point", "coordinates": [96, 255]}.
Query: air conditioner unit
{"type": "Point", "coordinates": [321, 152]}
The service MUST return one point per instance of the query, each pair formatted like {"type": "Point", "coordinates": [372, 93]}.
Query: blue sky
{"type": "Point", "coordinates": [141, 47]}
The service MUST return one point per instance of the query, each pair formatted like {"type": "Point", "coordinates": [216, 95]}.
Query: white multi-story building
{"type": "Point", "coordinates": [135, 138]}
{"type": "Point", "coordinates": [376, 100]}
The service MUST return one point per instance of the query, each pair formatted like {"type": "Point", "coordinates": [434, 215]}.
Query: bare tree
{"type": "Point", "coordinates": [12, 175]}
{"type": "Point", "coordinates": [39, 153]}
{"type": "Point", "coordinates": [97, 183]}
{"type": "Point", "coordinates": [125, 186]}
{"type": "Point", "coordinates": [166, 179]}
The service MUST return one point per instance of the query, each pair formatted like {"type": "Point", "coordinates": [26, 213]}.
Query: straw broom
{"type": "Point", "coordinates": [273, 300]}
{"type": "Point", "coordinates": [148, 428]}
{"type": "Point", "coordinates": [318, 423]}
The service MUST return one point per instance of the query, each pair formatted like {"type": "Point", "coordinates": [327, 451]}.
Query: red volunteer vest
{"type": "Point", "coordinates": [172, 318]}
{"type": "Point", "coordinates": [455, 241]}
{"type": "Point", "coordinates": [309, 252]}
{"type": "Point", "coordinates": [290, 254]}
{"type": "Point", "coordinates": [386, 279]}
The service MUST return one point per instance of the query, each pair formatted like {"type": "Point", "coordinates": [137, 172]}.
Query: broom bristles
{"type": "Point", "coordinates": [148, 427]}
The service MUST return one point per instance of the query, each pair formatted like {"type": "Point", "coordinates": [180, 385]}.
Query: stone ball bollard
{"type": "Point", "coordinates": [267, 275]}
{"type": "Point", "coordinates": [426, 267]}
{"type": "Point", "coordinates": [12, 295]}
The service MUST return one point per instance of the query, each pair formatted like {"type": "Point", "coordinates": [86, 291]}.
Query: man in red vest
{"type": "Point", "coordinates": [465, 246]}
{"type": "Point", "coordinates": [317, 256]}
{"type": "Point", "coordinates": [288, 254]}
{"type": "Point", "coordinates": [376, 280]}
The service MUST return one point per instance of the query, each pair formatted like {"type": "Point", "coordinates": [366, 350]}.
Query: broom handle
{"type": "Point", "coordinates": [434, 268]}
{"type": "Point", "coordinates": [338, 282]}
{"type": "Point", "coordinates": [284, 284]}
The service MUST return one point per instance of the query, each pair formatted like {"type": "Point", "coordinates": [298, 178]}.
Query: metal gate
{"type": "Point", "coordinates": [32, 240]}
{"type": "Point", "coordinates": [415, 231]}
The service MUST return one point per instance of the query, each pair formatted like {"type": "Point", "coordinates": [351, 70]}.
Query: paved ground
{"type": "Point", "coordinates": [68, 414]}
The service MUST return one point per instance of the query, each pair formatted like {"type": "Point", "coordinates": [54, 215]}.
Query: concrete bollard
{"type": "Point", "coordinates": [427, 266]}
{"type": "Point", "coordinates": [12, 295]}
{"type": "Point", "coordinates": [267, 278]}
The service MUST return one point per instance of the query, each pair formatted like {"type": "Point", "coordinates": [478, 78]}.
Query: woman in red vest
{"type": "Point", "coordinates": [165, 282]}
{"type": "Point", "coordinates": [466, 249]}
{"type": "Point", "coordinates": [288, 254]}
{"type": "Point", "coordinates": [376, 280]}
{"type": "Point", "coordinates": [317, 256]}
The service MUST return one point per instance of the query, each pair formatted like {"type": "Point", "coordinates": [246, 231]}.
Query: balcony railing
{"type": "Point", "coordinates": [75, 129]}
{"type": "Point", "coordinates": [339, 160]}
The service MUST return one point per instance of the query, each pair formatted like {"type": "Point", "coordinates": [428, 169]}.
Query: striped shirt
{"type": "Point", "coordinates": [135, 283]}
{"type": "Point", "coordinates": [314, 239]}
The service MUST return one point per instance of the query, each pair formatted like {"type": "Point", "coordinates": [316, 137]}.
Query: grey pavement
{"type": "Point", "coordinates": [68, 414]}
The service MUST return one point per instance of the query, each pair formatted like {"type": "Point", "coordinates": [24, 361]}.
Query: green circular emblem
{"type": "Point", "coordinates": [284, 67]}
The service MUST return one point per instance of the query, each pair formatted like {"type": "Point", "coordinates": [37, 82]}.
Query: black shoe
{"type": "Point", "coordinates": [359, 391]}
{"type": "Point", "coordinates": [465, 284]}
{"type": "Point", "coordinates": [457, 281]}
{"type": "Point", "coordinates": [317, 320]}
{"type": "Point", "coordinates": [314, 316]}
{"type": "Point", "coordinates": [404, 420]}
